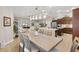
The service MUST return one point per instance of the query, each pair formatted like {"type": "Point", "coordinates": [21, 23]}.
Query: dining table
{"type": "Point", "coordinates": [44, 42]}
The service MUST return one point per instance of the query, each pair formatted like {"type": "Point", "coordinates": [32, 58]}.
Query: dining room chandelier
{"type": "Point", "coordinates": [40, 16]}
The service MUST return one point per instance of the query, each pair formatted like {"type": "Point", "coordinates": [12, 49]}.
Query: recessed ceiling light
{"type": "Point", "coordinates": [67, 10]}
{"type": "Point", "coordinates": [36, 8]}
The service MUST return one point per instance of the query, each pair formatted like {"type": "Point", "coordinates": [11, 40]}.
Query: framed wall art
{"type": "Point", "coordinates": [6, 21]}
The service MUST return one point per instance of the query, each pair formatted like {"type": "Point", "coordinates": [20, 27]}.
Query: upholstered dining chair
{"type": "Point", "coordinates": [21, 46]}
{"type": "Point", "coordinates": [75, 45]}
{"type": "Point", "coordinates": [28, 47]}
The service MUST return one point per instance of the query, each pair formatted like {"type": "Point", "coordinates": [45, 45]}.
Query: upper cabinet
{"type": "Point", "coordinates": [65, 20]}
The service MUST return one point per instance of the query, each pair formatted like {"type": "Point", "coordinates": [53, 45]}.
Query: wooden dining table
{"type": "Point", "coordinates": [43, 41]}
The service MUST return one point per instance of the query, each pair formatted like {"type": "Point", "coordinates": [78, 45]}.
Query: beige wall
{"type": "Point", "coordinates": [6, 33]}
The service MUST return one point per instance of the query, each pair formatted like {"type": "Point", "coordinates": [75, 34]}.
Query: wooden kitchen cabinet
{"type": "Point", "coordinates": [64, 21]}
{"type": "Point", "coordinates": [76, 22]}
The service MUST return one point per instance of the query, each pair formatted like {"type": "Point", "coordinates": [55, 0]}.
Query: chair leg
{"type": "Point", "coordinates": [21, 49]}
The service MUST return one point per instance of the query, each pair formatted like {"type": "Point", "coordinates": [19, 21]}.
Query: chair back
{"type": "Point", "coordinates": [21, 37]}
{"type": "Point", "coordinates": [26, 42]}
{"type": "Point", "coordinates": [75, 45]}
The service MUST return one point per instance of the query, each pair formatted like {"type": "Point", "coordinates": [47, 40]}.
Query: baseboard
{"type": "Point", "coordinates": [7, 43]}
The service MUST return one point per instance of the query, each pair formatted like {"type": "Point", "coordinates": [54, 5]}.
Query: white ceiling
{"type": "Point", "coordinates": [53, 11]}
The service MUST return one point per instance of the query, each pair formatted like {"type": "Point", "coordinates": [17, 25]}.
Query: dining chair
{"type": "Point", "coordinates": [75, 45]}
{"type": "Point", "coordinates": [21, 46]}
{"type": "Point", "coordinates": [26, 43]}
{"type": "Point", "coordinates": [28, 47]}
